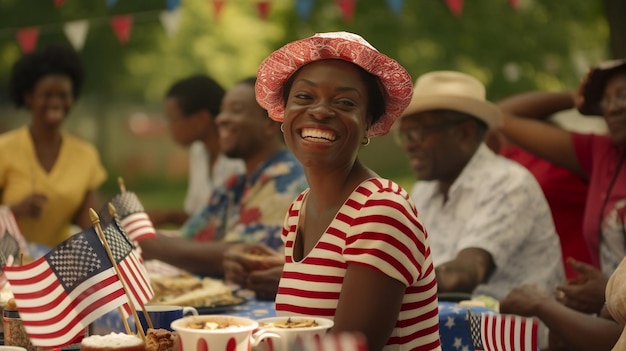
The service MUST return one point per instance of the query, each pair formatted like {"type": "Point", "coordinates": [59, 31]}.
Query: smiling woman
{"type": "Point", "coordinates": [48, 177]}
{"type": "Point", "coordinates": [357, 233]}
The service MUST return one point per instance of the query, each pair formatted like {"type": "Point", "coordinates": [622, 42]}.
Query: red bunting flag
{"type": "Point", "coordinates": [121, 26]}
{"type": "Point", "coordinates": [218, 6]}
{"type": "Point", "coordinates": [27, 38]}
{"type": "Point", "coordinates": [347, 9]}
{"type": "Point", "coordinates": [455, 6]}
{"type": "Point", "coordinates": [59, 3]}
{"type": "Point", "coordinates": [263, 8]}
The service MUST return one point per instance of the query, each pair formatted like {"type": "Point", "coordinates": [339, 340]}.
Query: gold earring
{"type": "Point", "coordinates": [282, 128]}
{"type": "Point", "coordinates": [366, 141]}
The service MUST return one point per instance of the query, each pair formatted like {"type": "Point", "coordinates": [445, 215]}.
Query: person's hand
{"type": "Point", "coordinates": [584, 293]}
{"type": "Point", "coordinates": [241, 259]}
{"type": "Point", "coordinates": [31, 206]}
{"type": "Point", "coordinates": [524, 300]}
{"type": "Point", "coordinates": [265, 283]}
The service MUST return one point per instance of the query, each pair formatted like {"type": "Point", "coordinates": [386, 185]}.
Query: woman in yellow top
{"type": "Point", "coordinates": [47, 176]}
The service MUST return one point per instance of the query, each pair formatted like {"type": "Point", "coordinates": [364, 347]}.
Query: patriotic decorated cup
{"type": "Point", "coordinates": [218, 333]}
{"type": "Point", "coordinates": [299, 333]}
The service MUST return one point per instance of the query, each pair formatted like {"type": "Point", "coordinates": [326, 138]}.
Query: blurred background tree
{"type": "Point", "coordinates": [533, 45]}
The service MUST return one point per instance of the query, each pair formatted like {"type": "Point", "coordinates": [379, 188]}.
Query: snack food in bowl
{"type": "Point", "coordinates": [112, 342]}
{"type": "Point", "coordinates": [293, 332]}
{"type": "Point", "coordinates": [217, 332]}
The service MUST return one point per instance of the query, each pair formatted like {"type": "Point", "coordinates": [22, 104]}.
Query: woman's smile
{"type": "Point", "coordinates": [318, 135]}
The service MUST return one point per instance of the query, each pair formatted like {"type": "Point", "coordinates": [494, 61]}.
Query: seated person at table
{"type": "Point", "coordinates": [489, 224]}
{"type": "Point", "coordinates": [355, 249]}
{"type": "Point", "coordinates": [250, 207]}
{"type": "Point", "coordinates": [191, 106]}
{"type": "Point", "coordinates": [600, 159]}
{"type": "Point", "coordinates": [48, 177]}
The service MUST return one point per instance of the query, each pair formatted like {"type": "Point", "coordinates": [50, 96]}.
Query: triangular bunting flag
{"type": "Point", "coordinates": [514, 4]}
{"type": "Point", "coordinates": [395, 6]}
{"type": "Point", "coordinates": [172, 5]}
{"type": "Point", "coordinates": [59, 3]}
{"type": "Point", "coordinates": [111, 3]}
{"type": "Point", "coordinates": [347, 9]}
{"type": "Point", "coordinates": [170, 21]}
{"type": "Point", "coordinates": [121, 26]}
{"type": "Point", "coordinates": [455, 6]}
{"type": "Point", "coordinates": [76, 32]}
{"type": "Point", "coordinates": [27, 38]}
{"type": "Point", "coordinates": [304, 8]}
{"type": "Point", "coordinates": [263, 8]}
{"type": "Point", "coordinates": [218, 5]}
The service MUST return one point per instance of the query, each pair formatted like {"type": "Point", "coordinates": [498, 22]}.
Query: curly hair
{"type": "Point", "coordinates": [197, 93]}
{"type": "Point", "coordinates": [32, 67]}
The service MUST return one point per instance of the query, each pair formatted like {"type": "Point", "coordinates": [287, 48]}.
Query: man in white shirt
{"type": "Point", "coordinates": [489, 225]}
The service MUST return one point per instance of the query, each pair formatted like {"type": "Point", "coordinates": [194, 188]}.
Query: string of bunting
{"type": "Point", "coordinates": [76, 31]}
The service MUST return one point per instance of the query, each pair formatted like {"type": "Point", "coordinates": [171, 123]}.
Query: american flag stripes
{"type": "Point", "coordinates": [12, 242]}
{"type": "Point", "coordinates": [503, 332]}
{"type": "Point", "coordinates": [133, 217]}
{"type": "Point", "coordinates": [62, 292]}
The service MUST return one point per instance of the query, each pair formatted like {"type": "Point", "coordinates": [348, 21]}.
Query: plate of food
{"type": "Point", "coordinates": [207, 295]}
{"type": "Point", "coordinates": [222, 306]}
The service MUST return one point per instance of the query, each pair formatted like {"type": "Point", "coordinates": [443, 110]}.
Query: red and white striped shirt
{"type": "Point", "coordinates": [377, 227]}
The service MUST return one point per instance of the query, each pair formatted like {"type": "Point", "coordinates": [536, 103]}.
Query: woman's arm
{"type": "Point", "coordinates": [522, 114]}
{"type": "Point", "coordinates": [369, 303]}
{"type": "Point", "coordinates": [578, 330]}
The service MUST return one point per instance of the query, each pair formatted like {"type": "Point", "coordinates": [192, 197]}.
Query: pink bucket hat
{"type": "Point", "coordinates": [276, 69]}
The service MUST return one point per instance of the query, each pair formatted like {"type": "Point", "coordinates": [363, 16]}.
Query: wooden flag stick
{"type": "Point", "coordinates": [113, 213]}
{"type": "Point", "coordinates": [120, 182]}
{"type": "Point", "coordinates": [96, 221]}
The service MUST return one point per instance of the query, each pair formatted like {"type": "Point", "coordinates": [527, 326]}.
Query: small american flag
{"type": "Point", "coordinates": [12, 242]}
{"type": "Point", "coordinates": [502, 332]}
{"type": "Point", "coordinates": [131, 269]}
{"type": "Point", "coordinates": [133, 217]}
{"type": "Point", "coordinates": [62, 292]}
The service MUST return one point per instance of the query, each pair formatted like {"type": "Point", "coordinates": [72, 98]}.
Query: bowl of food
{"type": "Point", "coordinates": [293, 332]}
{"type": "Point", "coordinates": [216, 332]}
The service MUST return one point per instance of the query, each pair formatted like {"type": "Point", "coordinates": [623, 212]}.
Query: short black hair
{"type": "Point", "coordinates": [198, 92]}
{"type": "Point", "coordinates": [376, 104]}
{"type": "Point", "coordinates": [32, 67]}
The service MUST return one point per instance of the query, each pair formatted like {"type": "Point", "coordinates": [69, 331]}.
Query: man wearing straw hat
{"type": "Point", "coordinates": [489, 225]}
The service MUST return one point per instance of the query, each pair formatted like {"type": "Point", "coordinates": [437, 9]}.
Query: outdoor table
{"type": "Point", "coordinates": [453, 324]}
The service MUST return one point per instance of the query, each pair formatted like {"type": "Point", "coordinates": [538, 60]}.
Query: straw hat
{"type": "Point", "coordinates": [449, 90]}
{"type": "Point", "coordinates": [593, 87]}
{"type": "Point", "coordinates": [276, 69]}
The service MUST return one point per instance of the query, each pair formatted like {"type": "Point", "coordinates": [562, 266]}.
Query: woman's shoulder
{"type": "Point", "coordinates": [382, 186]}
{"type": "Point", "coordinates": [79, 144]}
{"type": "Point", "coordinates": [13, 135]}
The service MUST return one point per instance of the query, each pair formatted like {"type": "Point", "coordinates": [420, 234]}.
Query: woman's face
{"type": "Point", "coordinates": [326, 114]}
{"type": "Point", "coordinates": [614, 106]}
{"type": "Point", "coordinates": [51, 99]}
